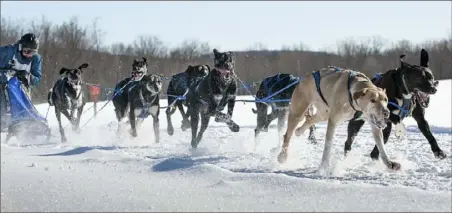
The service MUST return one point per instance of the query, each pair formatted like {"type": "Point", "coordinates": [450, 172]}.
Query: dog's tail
{"type": "Point", "coordinates": [49, 97]}
{"type": "Point", "coordinates": [254, 110]}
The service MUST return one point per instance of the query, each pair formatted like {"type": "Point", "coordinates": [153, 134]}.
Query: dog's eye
{"type": "Point", "coordinates": [373, 100]}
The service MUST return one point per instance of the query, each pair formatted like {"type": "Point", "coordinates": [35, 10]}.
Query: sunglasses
{"type": "Point", "coordinates": [29, 51]}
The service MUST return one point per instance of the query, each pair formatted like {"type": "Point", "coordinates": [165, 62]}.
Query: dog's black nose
{"type": "Point", "coordinates": [435, 83]}
{"type": "Point", "coordinates": [434, 90]}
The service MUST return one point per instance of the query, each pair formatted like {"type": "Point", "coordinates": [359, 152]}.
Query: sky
{"type": "Point", "coordinates": [237, 25]}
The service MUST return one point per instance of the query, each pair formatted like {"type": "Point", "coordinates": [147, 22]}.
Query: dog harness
{"type": "Point", "coordinates": [351, 75]}
{"type": "Point", "coordinates": [278, 79]}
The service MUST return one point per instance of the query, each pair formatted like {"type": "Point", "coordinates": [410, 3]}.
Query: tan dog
{"type": "Point", "coordinates": [344, 93]}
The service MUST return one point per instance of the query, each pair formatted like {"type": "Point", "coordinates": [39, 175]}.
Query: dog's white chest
{"type": "Point", "coordinates": [217, 98]}
{"type": "Point", "coordinates": [144, 112]}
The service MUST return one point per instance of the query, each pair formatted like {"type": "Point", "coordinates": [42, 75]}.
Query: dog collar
{"type": "Point", "coordinates": [223, 71]}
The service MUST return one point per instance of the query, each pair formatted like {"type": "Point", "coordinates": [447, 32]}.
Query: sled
{"type": "Point", "coordinates": [22, 120]}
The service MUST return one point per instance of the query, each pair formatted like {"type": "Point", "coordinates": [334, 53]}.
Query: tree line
{"type": "Point", "coordinates": [70, 44]}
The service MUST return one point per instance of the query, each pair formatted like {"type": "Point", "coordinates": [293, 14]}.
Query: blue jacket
{"type": "Point", "coordinates": [7, 53]}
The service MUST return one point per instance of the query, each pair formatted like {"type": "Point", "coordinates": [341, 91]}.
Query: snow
{"type": "Point", "coordinates": [94, 171]}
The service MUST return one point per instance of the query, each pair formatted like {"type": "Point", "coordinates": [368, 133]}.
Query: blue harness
{"type": "Point", "coordinates": [404, 110]}
{"type": "Point", "coordinates": [278, 79]}
{"type": "Point", "coordinates": [352, 74]}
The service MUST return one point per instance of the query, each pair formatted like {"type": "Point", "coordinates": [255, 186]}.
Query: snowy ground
{"type": "Point", "coordinates": [96, 172]}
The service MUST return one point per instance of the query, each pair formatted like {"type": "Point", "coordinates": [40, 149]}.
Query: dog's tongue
{"type": "Point", "coordinates": [423, 98]}
{"type": "Point", "coordinates": [422, 95]}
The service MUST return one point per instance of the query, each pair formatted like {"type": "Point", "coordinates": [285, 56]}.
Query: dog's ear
{"type": "Point", "coordinates": [135, 61]}
{"type": "Point", "coordinates": [145, 61]}
{"type": "Point", "coordinates": [215, 52]}
{"type": "Point", "coordinates": [64, 70]}
{"type": "Point", "coordinates": [189, 69]}
{"type": "Point", "coordinates": [359, 94]}
{"type": "Point", "coordinates": [424, 58]}
{"type": "Point", "coordinates": [402, 61]}
{"type": "Point", "coordinates": [83, 66]}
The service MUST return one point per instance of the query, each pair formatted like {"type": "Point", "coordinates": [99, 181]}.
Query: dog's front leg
{"type": "Point", "coordinates": [133, 130]}
{"type": "Point", "coordinates": [225, 118]}
{"type": "Point", "coordinates": [185, 117]}
{"type": "Point", "coordinates": [273, 115]}
{"type": "Point", "coordinates": [58, 116]}
{"type": "Point", "coordinates": [169, 112]}
{"type": "Point", "coordinates": [352, 130]}
{"type": "Point", "coordinates": [424, 127]}
{"type": "Point", "coordinates": [194, 121]}
{"type": "Point", "coordinates": [378, 137]}
{"type": "Point", "coordinates": [205, 118]}
{"type": "Point", "coordinates": [79, 116]}
{"type": "Point", "coordinates": [386, 132]}
{"type": "Point", "coordinates": [261, 118]}
{"type": "Point", "coordinates": [155, 116]}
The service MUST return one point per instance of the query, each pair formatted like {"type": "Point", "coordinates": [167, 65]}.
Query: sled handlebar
{"type": "Point", "coordinates": [18, 72]}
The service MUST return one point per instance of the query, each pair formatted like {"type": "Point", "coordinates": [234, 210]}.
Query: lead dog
{"type": "Point", "coordinates": [408, 87]}
{"type": "Point", "coordinates": [178, 88]}
{"type": "Point", "coordinates": [210, 95]}
{"type": "Point", "coordinates": [337, 94]}
{"type": "Point", "coordinates": [280, 108]}
{"type": "Point", "coordinates": [67, 94]}
{"type": "Point", "coordinates": [137, 100]}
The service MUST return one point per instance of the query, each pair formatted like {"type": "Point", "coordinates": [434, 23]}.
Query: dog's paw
{"type": "Point", "coordinates": [282, 156]}
{"type": "Point", "coordinates": [234, 128]}
{"type": "Point", "coordinates": [133, 133]}
{"type": "Point", "coordinates": [298, 132]}
{"type": "Point", "coordinates": [194, 144]}
{"type": "Point", "coordinates": [185, 125]}
{"type": "Point", "coordinates": [440, 154]}
{"type": "Point", "coordinates": [394, 166]}
{"type": "Point", "coordinates": [170, 130]}
{"type": "Point", "coordinates": [313, 140]}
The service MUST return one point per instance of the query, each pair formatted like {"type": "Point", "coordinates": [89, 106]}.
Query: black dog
{"type": "Point", "coordinates": [280, 107]}
{"type": "Point", "coordinates": [178, 87]}
{"type": "Point", "coordinates": [408, 87]}
{"type": "Point", "coordinates": [210, 95]}
{"type": "Point", "coordinates": [67, 94]}
{"type": "Point", "coordinates": [139, 99]}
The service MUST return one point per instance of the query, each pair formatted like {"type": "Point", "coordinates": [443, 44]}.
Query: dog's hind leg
{"type": "Point", "coordinates": [282, 119]}
{"type": "Point", "coordinates": [169, 112]}
{"type": "Point", "coordinates": [311, 136]}
{"type": "Point", "coordinates": [58, 116]}
{"type": "Point", "coordinates": [352, 130]}
{"type": "Point", "coordinates": [330, 131]}
{"type": "Point", "coordinates": [297, 110]}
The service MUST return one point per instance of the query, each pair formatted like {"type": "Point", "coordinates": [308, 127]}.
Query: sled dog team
{"type": "Point", "coordinates": [337, 94]}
